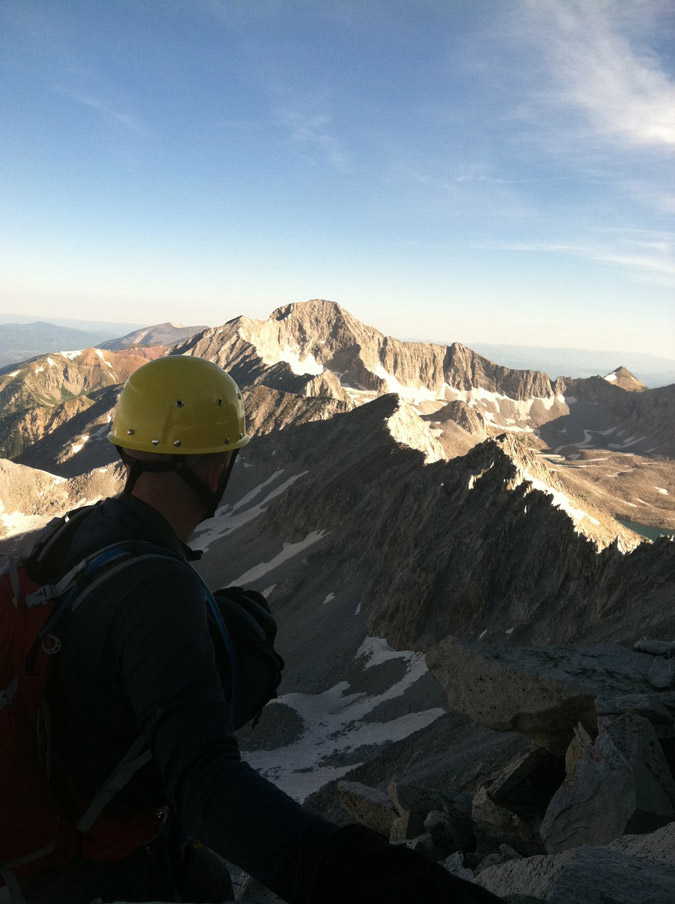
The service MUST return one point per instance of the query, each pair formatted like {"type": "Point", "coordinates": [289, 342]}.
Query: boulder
{"type": "Point", "coordinates": [455, 865]}
{"type": "Point", "coordinates": [495, 825]}
{"type": "Point", "coordinates": [655, 647]}
{"type": "Point", "coordinates": [368, 806]}
{"type": "Point", "coordinates": [619, 783]}
{"type": "Point", "coordinates": [450, 830]}
{"type": "Point", "coordinates": [411, 798]}
{"type": "Point", "coordinates": [656, 847]}
{"type": "Point", "coordinates": [662, 672]}
{"type": "Point", "coordinates": [659, 708]}
{"type": "Point", "coordinates": [509, 807]}
{"type": "Point", "coordinates": [408, 826]}
{"type": "Point", "coordinates": [503, 855]}
{"type": "Point", "coordinates": [527, 783]}
{"type": "Point", "coordinates": [585, 875]}
{"type": "Point", "coordinates": [542, 693]}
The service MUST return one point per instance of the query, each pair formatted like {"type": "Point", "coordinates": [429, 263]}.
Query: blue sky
{"type": "Point", "coordinates": [488, 170]}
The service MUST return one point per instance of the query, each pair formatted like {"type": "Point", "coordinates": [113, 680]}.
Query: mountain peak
{"type": "Point", "coordinates": [317, 311]}
{"type": "Point", "coordinates": [625, 380]}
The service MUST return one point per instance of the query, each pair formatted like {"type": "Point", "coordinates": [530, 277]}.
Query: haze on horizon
{"type": "Point", "coordinates": [451, 171]}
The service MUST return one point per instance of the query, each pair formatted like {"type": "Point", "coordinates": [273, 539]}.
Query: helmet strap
{"type": "Point", "coordinates": [222, 483]}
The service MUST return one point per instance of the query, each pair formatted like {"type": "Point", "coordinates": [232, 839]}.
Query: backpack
{"type": "Point", "coordinates": [36, 829]}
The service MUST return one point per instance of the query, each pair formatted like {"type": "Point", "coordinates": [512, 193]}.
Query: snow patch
{"type": "Point", "coordinates": [228, 518]}
{"type": "Point", "coordinates": [299, 363]}
{"type": "Point", "coordinates": [307, 364]}
{"type": "Point", "coordinates": [662, 491]}
{"type": "Point", "coordinates": [414, 394]}
{"type": "Point", "coordinates": [611, 378]}
{"type": "Point", "coordinates": [376, 650]}
{"type": "Point", "coordinates": [331, 596]}
{"type": "Point", "coordinates": [336, 722]}
{"type": "Point", "coordinates": [78, 447]}
{"type": "Point", "coordinates": [248, 497]}
{"type": "Point", "coordinates": [103, 358]}
{"type": "Point", "coordinates": [71, 355]}
{"type": "Point", "coordinates": [288, 551]}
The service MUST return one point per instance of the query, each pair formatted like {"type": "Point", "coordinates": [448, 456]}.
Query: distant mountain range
{"type": "Point", "coordinates": [314, 360]}
{"type": "Point", "coordinates": [161, 334]}
{"type": "Point", "coordinates": [21, 341]}
{"type": "Point", "coordinates": [37, 337]}
{"type": "Point", "coordinates": [652, 370]}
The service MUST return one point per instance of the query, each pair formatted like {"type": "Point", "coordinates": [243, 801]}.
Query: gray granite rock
{"type": "Point", "coordinates": [410, 798]}
{"type": "Point", "coordinates": [585, 875]}
{"type": "Point", "coordinates": [451, 830]}
{"type": "Point", "coordinates": [656, 847]}
{"type": "Point", "coordinates": [503, 855]}
{"type": "Point", "coordinates": [620, 783]}
{"type": "Point", "coordinates": [368, 806]}
{"type": "Point", "coordinates": [496, 824]}
{"type": "Point", "coordinates": [662, 672]}
{"type": "Point", "coordinates": [410, 825]}
{"type": "Point", "coordinates": [655, 647]}
{"type": "Point", "coordinates": [542, 693]}
{"type": "Point", "coordinates": [455, 865]}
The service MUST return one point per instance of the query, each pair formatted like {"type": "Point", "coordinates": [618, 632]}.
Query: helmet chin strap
{"type": "Point", "coordinates": [178, 464]}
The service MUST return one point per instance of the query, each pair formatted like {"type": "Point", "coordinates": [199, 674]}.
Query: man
{"type": "Point", "coordinates": [139, 660]}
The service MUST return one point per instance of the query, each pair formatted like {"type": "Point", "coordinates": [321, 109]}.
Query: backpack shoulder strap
{"type": "Point", "coordinates": [53, 542]}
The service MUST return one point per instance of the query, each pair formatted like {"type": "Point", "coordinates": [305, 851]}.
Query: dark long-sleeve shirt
{"type": "Point", "coordinates": [139, 658]}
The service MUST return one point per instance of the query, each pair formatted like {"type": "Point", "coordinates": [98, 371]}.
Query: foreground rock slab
{"type": "Point", "coordinates": [633, 870]}
{"type": "Point", "coordinates": [542, 693]}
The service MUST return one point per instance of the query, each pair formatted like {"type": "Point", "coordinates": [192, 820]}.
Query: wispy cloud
{"type": "Point", "coordinates": [599, 66]}
{"type": "Point", "coordinates": [646, 259]}
{"type": "Point", "coordinates": [125, 120]}
{"type": "Point", "coordinates": [312, 133]}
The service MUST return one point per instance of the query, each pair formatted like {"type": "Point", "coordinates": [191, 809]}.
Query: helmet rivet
{"type": "Point", "coordinates": [227, 440]}
{"type": "Point", "coordinates": [239, 396]}
{"type": "Point", "coordinates": [176, 442]}
{"type": "Point", "coordinates": [179, 403]}
{"type": "Point", "coordinates": [155, 442]}
{"type": "Point", "coordinates": [241, 436]}
{"type": "Point", "coordinates": [130, 432]}
{"type": "Point", "coordinates": [219, 402]}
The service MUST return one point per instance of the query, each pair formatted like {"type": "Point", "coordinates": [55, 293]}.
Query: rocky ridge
{"type": "Point", "coordinates": [29, 498]}
{"type": "Point", "coordinates": [164, 334]}
{"type": "Point", "coordinates": [48, 391]}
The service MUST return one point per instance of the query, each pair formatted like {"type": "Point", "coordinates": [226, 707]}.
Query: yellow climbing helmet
{"type": "Point", "coordinates": [180, 405]}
